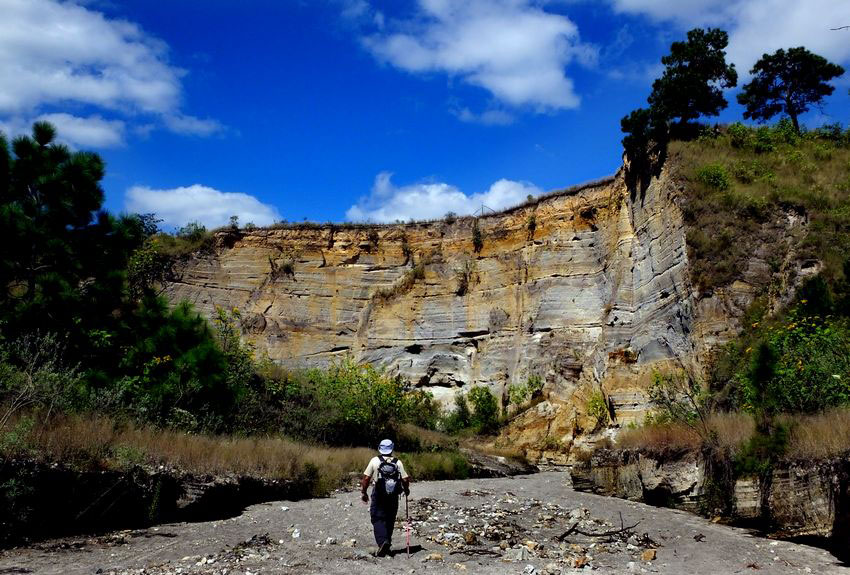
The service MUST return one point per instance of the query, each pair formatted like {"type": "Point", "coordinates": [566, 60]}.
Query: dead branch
{"type": "Point", "coordinates": [575, 529]}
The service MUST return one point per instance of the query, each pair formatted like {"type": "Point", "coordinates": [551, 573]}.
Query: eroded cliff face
{"type": "Point", "coordinates": [586, 288]}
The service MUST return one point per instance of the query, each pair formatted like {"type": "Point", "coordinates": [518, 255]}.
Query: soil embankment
{"type": "Point", "coordinates": [504, 525]}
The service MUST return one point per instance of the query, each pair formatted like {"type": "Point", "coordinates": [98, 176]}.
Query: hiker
{"type": "Point", "coordinates": [390, 481]}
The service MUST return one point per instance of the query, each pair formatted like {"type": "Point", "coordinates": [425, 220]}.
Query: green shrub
{"type": "Point", "coordinates": [460, 417]}
{"type": "Point", "coordinates": [764, 141]}
{"type": "Point", "coordinates": [714, 176]}
{"type": "Point", "coordinates": [485, 410]}
{"type": "Point", "coordinates": [477, 238]}
{"type": "Point", "coordinates": [800, 365]}
{"type": "Point", "coordinates": [597, 408]}
{"type": "Point", "coordinates": [740, 136]}
{"type": "Point", "coordinates": [519, 393]}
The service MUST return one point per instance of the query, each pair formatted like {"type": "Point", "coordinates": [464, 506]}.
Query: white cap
{"type": "Point", "coordinates": [386, 447]}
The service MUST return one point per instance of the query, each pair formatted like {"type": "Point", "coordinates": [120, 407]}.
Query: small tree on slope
{"type": "Point", "coordinates": [788, 82]}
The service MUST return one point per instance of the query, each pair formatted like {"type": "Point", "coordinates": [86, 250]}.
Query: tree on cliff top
{"type": "Point", "coordinates": [788, 82]}
{"type": "Point", "coordinates": [695, 75]}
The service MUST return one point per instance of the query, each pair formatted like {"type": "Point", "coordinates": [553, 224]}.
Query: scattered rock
{"type": "Point", "coordinates": [349, 543]}
{"type": "Point", "coordinates": [648, 555]}
{"type": "Point", "coordinates": [433, 557]}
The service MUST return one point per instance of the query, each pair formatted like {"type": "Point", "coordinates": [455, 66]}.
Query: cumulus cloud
{"type": "Point", "coordinates": [388, 202]}
{"type": "Point", "coordinates": [197, 203]}
{"type": "Point", "coordinates": [92, 131]}
{"type": "Point", "coordinates": [757, 26]}
{"type": "Point", "coordinates": [56, 54]}
{"type": "Point", "coordinates": [514, 49]}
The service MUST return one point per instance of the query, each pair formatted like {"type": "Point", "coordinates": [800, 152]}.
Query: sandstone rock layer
{"type": "Point", "coordinates": [587, 288]}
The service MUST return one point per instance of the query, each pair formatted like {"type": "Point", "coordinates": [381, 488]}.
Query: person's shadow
{"type": "Point", "coordinates": [403, 550]}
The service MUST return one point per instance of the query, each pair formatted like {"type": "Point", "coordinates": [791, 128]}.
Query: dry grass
{"type": "Point", "coordinates": [730, 429]}
{"type": "Point", "coordinates": [97, 442]}
{"type": "Point", "coordinates": [667, 439]}
{"type": "Point", "coordinates": [819, 436]}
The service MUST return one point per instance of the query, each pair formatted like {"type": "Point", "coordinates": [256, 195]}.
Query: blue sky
{"type": "Point", "coordinates": [363, 109]}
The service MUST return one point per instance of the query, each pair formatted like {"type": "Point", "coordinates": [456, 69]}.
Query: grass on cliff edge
{"type": "Point", "coordinates": [812, 437]}
{"type": "Point", "coordinates": [93, 442]}
{"type": "Point", "coordinates": [741, 184]}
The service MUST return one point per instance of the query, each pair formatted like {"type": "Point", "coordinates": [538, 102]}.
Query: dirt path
{"type": "Point", "coordinates": [484, 526]}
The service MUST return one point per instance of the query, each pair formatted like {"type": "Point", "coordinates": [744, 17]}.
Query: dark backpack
{"type": "Point", "coordinates": [389, 477]}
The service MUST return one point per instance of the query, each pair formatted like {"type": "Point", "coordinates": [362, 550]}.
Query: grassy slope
{"type": "Point", "coordinates": [766, 173]}
{"type": "Point", "coordinates": [739, 186]}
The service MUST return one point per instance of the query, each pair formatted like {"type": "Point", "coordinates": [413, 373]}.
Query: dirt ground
{"type": "Point", "coordinates": [531, 525]}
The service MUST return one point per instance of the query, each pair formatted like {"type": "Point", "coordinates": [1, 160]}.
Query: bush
{"type": "Point", "coordinates": [740, 136]}
{"type": "Point", "coordinates": [714, 176]}
{"type": "Point", "coordinates": [485, 410]}
{"type": "Point", "coordinates": [801, 366]}
{"type": "Point", "coordinates": [764, 141]}
{"type": "Point", "coordinates": [460, 418]}
{"type": "Point", "coordinates": [477, 239]}
{"type": "Point", "coordinates": [597, 408]}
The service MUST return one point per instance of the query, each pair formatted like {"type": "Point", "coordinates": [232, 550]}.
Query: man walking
{"type": "Point", "coordinates": [390, 481]}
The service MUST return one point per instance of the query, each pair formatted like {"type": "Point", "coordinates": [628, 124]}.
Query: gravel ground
{"type": "Point", "coordinates": [533, 525]}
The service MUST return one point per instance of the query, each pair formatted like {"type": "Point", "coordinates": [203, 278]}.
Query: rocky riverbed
{"type": "Point", "coordinates": [526, 525]}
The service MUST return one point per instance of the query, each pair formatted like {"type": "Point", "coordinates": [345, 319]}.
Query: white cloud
{"type": "Point", "coordinates": [197, 203]}
{"type": "Point", "coordinates": [487, 117]}
{"type": "Point", "coordinates": [57, 54]}
{"type": "Point", "coordinates": [389, 203]}
{"type": "Point", "coordinates": [512, 48]}
{"type": "Point", "coordinates": [93, 131]}
{"type": "Point", "coordinates": [757, 26]}
{"type": "Point", "coordinates": [191, 125]}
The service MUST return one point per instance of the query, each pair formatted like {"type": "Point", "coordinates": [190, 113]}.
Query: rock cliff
{"type": "Point", "coordinates": [587, 288]}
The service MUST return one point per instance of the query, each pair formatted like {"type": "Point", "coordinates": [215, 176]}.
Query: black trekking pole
{"type": "Point", "coordinates": [407, 526]}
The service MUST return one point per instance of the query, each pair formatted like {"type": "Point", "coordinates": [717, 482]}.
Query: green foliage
{"type": "Point", "coordinates": [740, 136]}
{"type": "Point", "coordinates": [787, 82]}
{"type": "Point", "coordinates": [436, 466]}
{"type": "Point", "coordinates": [774, 171]}
{"type": "Point", "coordinates": [421, 409]}
{"type": "Point", "coordinates": [800, 365]}
{"type": "Point", "coordinates": [485, 410]}
{"type": "Point", "coordinates": [345, 404]}
{"type": "Point", "coordinates": [460, 418]}
{"type": "Point", "coordinates": [62, 260]}
{"type": "Point", "coordinates": [147, 269]}
{"type": "Point", "coordinates": [714, 176]}
{"type": "Point", "coordinates": [758, 455]}
{"type": "Point", "coordinates": [34, 376]}
{"type": "Point", "coordinates": [520, 393]}
{"type": "Point", "coordinates": [172, 362]}
{"type": "Point", "coordinates": [597, 408]}
{"type": "Point", "coordinates": [679, 399]}
{"type": "Point", "coordinates": [642, 127]}
{"type": "Point", "coordinates": [694, 77]}
{"type": "Point", "coordinates": [477, 239]}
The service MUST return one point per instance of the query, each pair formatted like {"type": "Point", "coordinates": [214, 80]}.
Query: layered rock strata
{"type": "Point", "coordinates": [587, 288]}
{"type": "Point", "coordinates": [798, 499]}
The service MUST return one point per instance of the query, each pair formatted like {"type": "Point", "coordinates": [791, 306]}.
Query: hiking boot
{"type": "Point", "coordinates": [383, 550]}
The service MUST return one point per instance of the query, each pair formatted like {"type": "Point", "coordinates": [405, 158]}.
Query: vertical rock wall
{"type": "Point", "coordinates": [586, 288]}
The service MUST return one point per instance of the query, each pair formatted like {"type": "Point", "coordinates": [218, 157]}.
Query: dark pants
{"type": "Point", "coordinates": [383, 510]}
